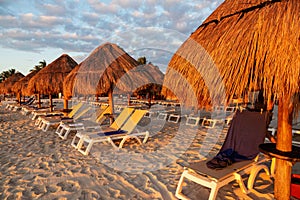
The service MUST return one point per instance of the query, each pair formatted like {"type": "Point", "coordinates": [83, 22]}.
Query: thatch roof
{"type": "Point", "coordinates": [141, 77]}
{"type": "Point", "coordinates": [107, 66]}
{"type": "Point", "coordinates": [6, 86]}
{"type": "Point", "coordinates": [243, 44]}
{"type": "Point", "coordinates": [22, 85]}
{"type": "Point", "coordinates": [50, 78]}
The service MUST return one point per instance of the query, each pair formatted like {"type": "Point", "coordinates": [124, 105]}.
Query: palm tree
{"type": "Point", "coordinates": [41, 65]}
{"type": "Point", "coordinates": [5, 74]}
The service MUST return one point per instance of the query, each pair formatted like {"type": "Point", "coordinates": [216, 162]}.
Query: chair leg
{"type": "Point", "coordinates": [41, 124]}
{"type": "Point", "coordinates": [37, 121]}
{"type": "Point", "coordinates": [113, 144]}
{"type": "Point", "coordinates": [46, 126]}
{"type": "Point", "coordinates": [88, 148]}
{"type": "Point", "coordinates": [68, 130]}
{"type": "Point", "coordinates": [253, 174]}
{"type": "Point", "coordinates": [59, 129]}
{"type": "Point", "coordinates": [73, 143]}
{"type": "Point", "coordinates": [239, 179]}
{"type": "Point", "coordinates": [213, 192]}
{"type": "Point", "coordinates": [146, 137]}
{"type": "Point", "coordinates": [273, 167]}
{"type": "Point", "coordinates": [178, 192]}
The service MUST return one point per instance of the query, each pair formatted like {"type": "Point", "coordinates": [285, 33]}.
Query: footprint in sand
{"type": "Point", "coordinates": [89, 194]}
{"type": "Point", "coordinates": [57, 174]}
{"type": "Point", "coordinates": [52, 188]}
{"type": "Point", "coordinates": [44, 175]}
{"type": "Point", "coordinates": [27, 194]}
{"type": "Point", "coordinates": [44, 165]}
{"type": "Point", "coordinates": [75, 170]}
{"type": "Point", "coordinates": [39, 189]}
{"type": "Point", "coordinates": [70, 186]}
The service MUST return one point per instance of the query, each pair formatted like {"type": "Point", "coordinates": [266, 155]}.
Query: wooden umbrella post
{"type": "Point", "coordinates": [111, 103]}
{"type": "Point", "coordinates": [284, 143]}
{"type": "Point", "coordinates": [39, 100]}
{"type": "Point", "coordinates": [66, 103]}
{"type": "Point", "coordinates": [20, 98]}
{"type": "Point", "coordinates": [51, 103]}
{"type": "Point", "coordinates": [128, 99]}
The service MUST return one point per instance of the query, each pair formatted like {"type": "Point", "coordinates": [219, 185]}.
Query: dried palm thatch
{"type": "Point", "coordinates": [99, 72]}
{"type": "Point", "coordinates": [6, 86]}
{"type": "Point", "coordinates": [142, 77]}
{"type": "Point", "coordinates": [49, 80]}
{"type": "Point", "coordinates": [22, 85]}
{"type": "Point", "coordinates": [106, 70]}
{"type": "Point", "coordinates": [244, 44]}
{"type": "Point", "coordinates": [250, 43]}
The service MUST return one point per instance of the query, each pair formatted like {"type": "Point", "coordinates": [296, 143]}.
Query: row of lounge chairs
{"type": "Point", "coordinates": [86, 121]}
{"type": "Point", "coordinates": [194, 120]}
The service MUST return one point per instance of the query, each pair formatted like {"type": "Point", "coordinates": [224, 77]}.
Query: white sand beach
{"type": "Point", "coordinates": [39, 165]}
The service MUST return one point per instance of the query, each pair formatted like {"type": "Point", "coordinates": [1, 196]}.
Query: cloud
{"type": "Point", "coordinates": [56, 10]}
{"type": "Point", "coordinates": [152, 27]}
{"type": "Point", "coordinates": [103, 8]}
{"type": "Point", "coordinates": [8, 21]}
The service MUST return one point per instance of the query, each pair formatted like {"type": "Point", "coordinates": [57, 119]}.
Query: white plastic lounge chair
{"type": "Point", "coordinates": [126, 132]}
{"type": "Point", "coordinates": [64, 128]}
{"type": "Point", "coordinates": [211, 123]}
{"type": "Point", "coordinates": [174, 118]}
{"type": "Point", "coordinates": [149, 114]}
{"type": "Point", "coordinates": [215, 179]}
{"type": "Point", "coordinates": [44, 113]}
{"type": "Point", "coordinates": [249, 128]}
{"type": "Point", "coordinates": [39, 115]}
{"type": "Point", "coordinates": [274, 130]}
{"type": "Point", "coordinates": [230, 109]}
{"type": "Point", "coordinates": [116, 125]}
{"type": "Point", "coordinates": [46, 122]}
{"type": "Point", "coordinates": [192, 121]}
{"type": "Point", "coordinates": [162, 116]}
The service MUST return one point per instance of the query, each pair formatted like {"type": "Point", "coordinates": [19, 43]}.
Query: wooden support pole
{"type": "Point", "coordinates": [111, 103]}
{"type": "Point", "coordinates": [284, 143]}
{"type": "Point", "coordinates": [51, 103]}
{"type": "Point", "coordinates": [39, 100]}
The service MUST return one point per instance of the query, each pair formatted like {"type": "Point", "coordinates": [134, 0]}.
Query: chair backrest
{"type": "Point", "coordinates": [133, 120]}
{"type": "Point", "coordinates": [101, 117]}
{"type": "Point", "coordinates": [96, 112]}
{"type": "Point", "coordinates": [247, 130]}
{"type": "Point", "coordinates": [82, 111]}
{"type": "Point", "coordinates": [122, 117]}
{"type": "Point", "coordinates": [75, 109]}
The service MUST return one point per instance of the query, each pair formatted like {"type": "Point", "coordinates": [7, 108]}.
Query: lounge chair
{"type": "Point", "coordinates": [211, 123]}
{"type": "Point", "coordinates": [116, 125]}
{"type": "Point", "coordinates": [246, 132]}
{"type": "Point", "coordinates": [162, 116]}
{"type": "Point", "coordinates": [39, 115]}
{"type": "Point", "coordinates": [124, 133]}
{"type": "Point", "coordinates": [192, 121]}
{"type": "Point", "coordinates": [174, 118]}
{"type": "Point", "coordinates": [46, 122]}
{"type": "Point", "coordinates": [65, 127]}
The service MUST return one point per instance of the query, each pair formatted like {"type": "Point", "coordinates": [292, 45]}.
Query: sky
{"type": "Point", "coordinates": [35, 30]}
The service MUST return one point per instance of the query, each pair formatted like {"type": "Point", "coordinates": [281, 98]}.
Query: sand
{"type": "Point", "coordinates": [39, 165]}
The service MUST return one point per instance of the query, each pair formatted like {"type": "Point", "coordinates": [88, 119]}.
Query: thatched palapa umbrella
{"type": "Point", "coordinates": [21, 86]}
{"type": "Point", "coordinates": [99, 72]}
{"type": "Point", "coordinates": [7, 85]}
{"type": "Point", "coordinates": [107, 68]}
{"type": "Point", "coordinates": [148, 79]}
{"type": "Point", "coordinates": [246, 44]}
{"type": "Point", "coordinates": [49, 80]}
